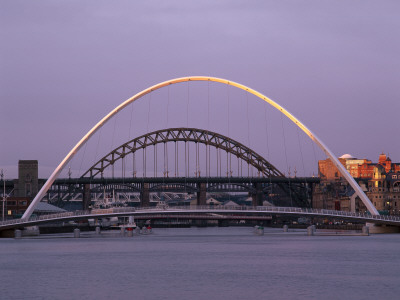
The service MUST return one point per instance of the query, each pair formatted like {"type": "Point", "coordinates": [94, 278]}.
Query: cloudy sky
{"type": "Point", "coordinates": [65, 64]}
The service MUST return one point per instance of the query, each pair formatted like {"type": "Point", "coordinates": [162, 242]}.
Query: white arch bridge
{"type": "Point", "coordinates": [371, 208]}
{"type": "Point", "coordinates": [202, 213]}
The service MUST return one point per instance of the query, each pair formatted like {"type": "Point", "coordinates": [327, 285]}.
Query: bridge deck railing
{"type": "Point", "coordinates": [95, 212]}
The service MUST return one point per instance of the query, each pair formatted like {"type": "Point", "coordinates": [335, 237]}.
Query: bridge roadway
{"type": "Point", "coordinates": [87, 180]}
{"type": "Point", "coordinates": [201, 212]}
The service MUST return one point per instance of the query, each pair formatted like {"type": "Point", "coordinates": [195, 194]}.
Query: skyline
{"type": "Point", "coordinates": [334, 65]}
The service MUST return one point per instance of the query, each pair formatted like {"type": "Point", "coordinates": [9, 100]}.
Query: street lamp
{"type": "Point", "coordinates": [4, 190]}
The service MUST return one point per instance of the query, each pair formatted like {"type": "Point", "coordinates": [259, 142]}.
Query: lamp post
{"type": "Point", "coordinates": [4, 190]}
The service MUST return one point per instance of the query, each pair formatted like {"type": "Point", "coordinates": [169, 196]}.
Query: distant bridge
{"type": "Point", "coordinates": [201, 213]}
{"type": "Point", "coordinates": [259, 188]}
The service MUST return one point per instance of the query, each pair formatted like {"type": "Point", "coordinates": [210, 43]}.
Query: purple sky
{"type": "Point", "coordinates": [65, 64]}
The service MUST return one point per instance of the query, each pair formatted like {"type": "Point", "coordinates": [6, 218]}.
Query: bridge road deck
{"type": "Point", "coordinates": [201, 212]}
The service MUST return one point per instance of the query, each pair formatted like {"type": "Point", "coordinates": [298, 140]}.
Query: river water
{"type": "Point", "coordinates": [201, 263]}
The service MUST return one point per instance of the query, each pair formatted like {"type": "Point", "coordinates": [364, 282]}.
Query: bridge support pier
{"type": "Point", "coordinates": [86, 201]}
{"type": "Point", "coordinates": [375, 228]}
{"type": "Point", "coordinates": [17, 233]}
{"type": "Point", "coordinates": [77, 233]}
{"type": "Point", "coordinates": [202, 194]}
{"type": "Point", "coordinates": [223, 223]}
{"type": "Point", "coordinates": [365, 230]}
{"type": "Point", "coordinates": [258, 197]}
{"type": "Point", "coordinates": [311, 230]}
{"type": "Point", "coordinates": [145, 195]}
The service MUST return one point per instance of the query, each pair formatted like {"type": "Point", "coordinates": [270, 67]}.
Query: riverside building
{"type": "Point", "coordinates": [380, 181]}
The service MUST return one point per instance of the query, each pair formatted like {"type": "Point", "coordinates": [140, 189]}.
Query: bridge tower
{"type": "Point", "coordinates": [202, 193]}
{"type": "Point", "coordinates": [86, 197]}
{"type": "Point", "coordinates": [258, 196]}
{"type": "Point", "coordinates": [145, 195]}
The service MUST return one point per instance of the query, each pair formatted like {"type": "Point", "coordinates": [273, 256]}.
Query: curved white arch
{"type": "Point", "coordinates": [371, 208]}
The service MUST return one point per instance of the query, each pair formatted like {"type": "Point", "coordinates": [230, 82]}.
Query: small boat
{"type": "Point", "coordinates": [130, 226]}
{"type": "Point", "coordinates": [147, 229]}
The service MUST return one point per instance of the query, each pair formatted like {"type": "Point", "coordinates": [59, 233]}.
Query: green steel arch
{"type": "Point", "coordinates": [185, 135]}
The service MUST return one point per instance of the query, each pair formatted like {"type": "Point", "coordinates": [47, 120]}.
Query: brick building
{"type": "Point", "coordinates": [23, 189]}
{"type": "Point", "coordinates": [380, 181]}
{"type": "Point", "coordinates": [16, 206]}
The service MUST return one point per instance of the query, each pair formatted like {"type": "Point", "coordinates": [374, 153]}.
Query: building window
{"type": "Point", "coordinates": [28, 189]}
{"type": "Point", "coordinates": [22, 202]}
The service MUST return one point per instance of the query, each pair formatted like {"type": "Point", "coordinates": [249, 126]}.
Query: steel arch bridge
{"type": "Point", "coordinates": [209, 138]}
{"type": "Point", "coordinates": [295, 191]}
{"type": "Point", "coordinates": [282, 191]}
{"type": "Point", "coordinates": [371, 208]}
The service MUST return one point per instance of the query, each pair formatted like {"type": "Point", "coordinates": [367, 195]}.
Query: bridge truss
{"type": "Point", "coordinates": [194, 135]}
{"type": "Point", "coordinates": [274, 190]}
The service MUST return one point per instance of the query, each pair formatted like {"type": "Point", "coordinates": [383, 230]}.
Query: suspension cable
{"type": "Point", "coordinates": [143, 161]}
{"type": "Point", "coordinates": [267, 140]}
{"type": "Point", "coordinates": [175, 159]}
{"type": "Point", "coordinates": [220, 163]}
{"type": "Point", "coordinates": [207, 174]}
{"type": "Point", "coordinates": [148, 113]}
{"type": "Point", "coordinates": [208, 128]}
{"type": "Point", "coordinates": [197, 159]}
{"type": "Point", "coordinates": [227, 163]}
{"type": "Point", "coordinates": [97, 148]}
{"type": "Point", "coordinates": [248, 133]}
{"type": "Point", "coordinates": [287, 164]}
{"type": "Point", "coordinates": [227, 152]}
{"type": "Point", "coordinates": [134, 163]}
{"type": "Point", "coordinates": [187, 105]}
{"type": "Point", "coordinates": [185, 168]}
{"type": "Point", "coordinates": [301, 150]}
{"type": "Point", "coordinates": [216, 149]}
{"type": "Point", "coordinates": [302, 162]}
{"type": "Point", "coordinates": [123, 168]}
{"type": "Point", "coordinates": [165, 169]}
{"type": "Point", "coordinates": [185, 160]}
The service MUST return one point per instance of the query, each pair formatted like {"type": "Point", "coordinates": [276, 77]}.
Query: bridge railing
{"type": "Point", "coordinates": [120, 210]}
{"type": "Point", "coordinates": [321, 212]}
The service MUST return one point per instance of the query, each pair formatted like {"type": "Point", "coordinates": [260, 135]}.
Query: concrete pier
{"type": "Point", "coordinates": [77, 233]}
{"type": "Point", "coordinates": [17, 234]}
{"type": "Point", "coordinates": [374, 228]}
{"type": "Point", "coordinates": [365, 230]}
{"type": "Point", "coordinates": [310, 230]}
